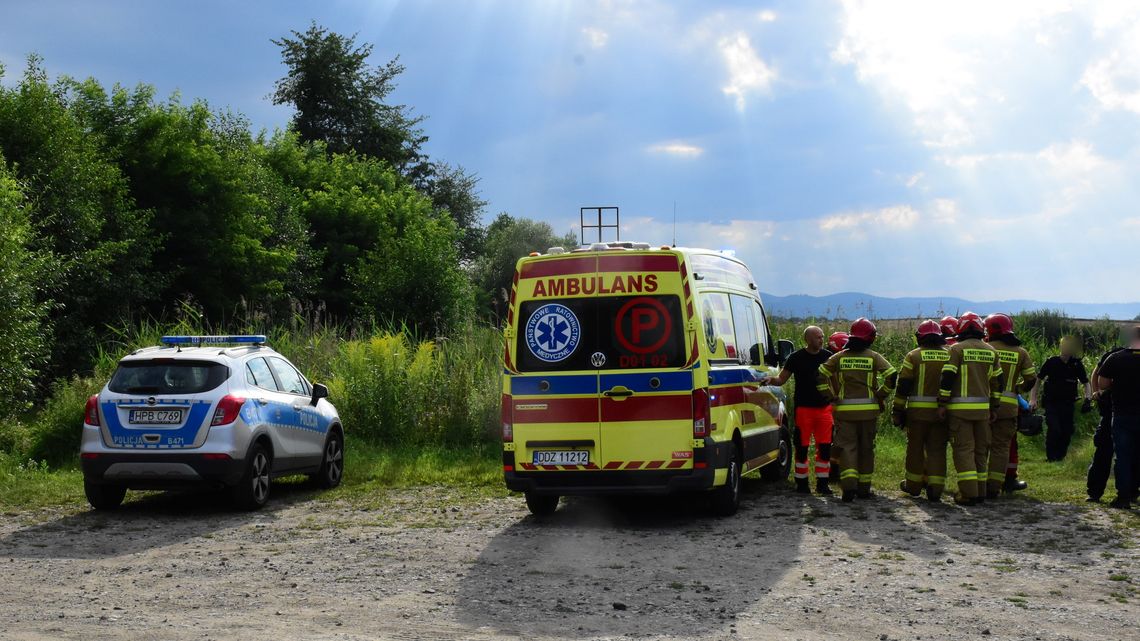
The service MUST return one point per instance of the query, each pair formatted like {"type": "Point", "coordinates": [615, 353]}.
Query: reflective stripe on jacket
{"type": "Point", "coordinates": [1018, 375]}
{"type": "Point", "coordinates": [857, 383]}
{"type": "Point", "coordinates": [922, 372]}
{"type": "Point", "coordinates": [971, 380]}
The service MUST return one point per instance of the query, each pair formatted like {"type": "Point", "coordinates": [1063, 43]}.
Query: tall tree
{"type": "Point", "coordinates": [455, 191]}
{"type": "Point", "coordinates": [509, 239]}
{"type": "Point", "coordinates": [340, 100]}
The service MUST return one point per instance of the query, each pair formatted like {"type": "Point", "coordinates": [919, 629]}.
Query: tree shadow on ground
{"type": "Point", "coordinates": [150, 520]}
{"type": "Point", "coordinates": [661, 565]}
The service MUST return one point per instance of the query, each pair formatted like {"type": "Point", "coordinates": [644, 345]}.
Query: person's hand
{"type": "Point", "coordinates": [941, 413]}
{"type": "Point", "coordinates": [1086, 407]}
{"type": "Point", "coordinates": [993, 416]}
{"type": "Point", "coordinates": [1033, 405]}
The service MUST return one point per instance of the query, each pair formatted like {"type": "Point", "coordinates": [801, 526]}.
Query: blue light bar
{"type": "Point", "coordinates": [254, 339]}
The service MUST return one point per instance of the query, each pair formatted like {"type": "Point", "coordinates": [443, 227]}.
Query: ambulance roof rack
{"type": "Point", "coordinates": [597, 214]}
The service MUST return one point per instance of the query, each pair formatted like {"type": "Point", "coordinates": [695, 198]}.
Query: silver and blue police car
{"type": "Point", "coordinates": [208, 411]}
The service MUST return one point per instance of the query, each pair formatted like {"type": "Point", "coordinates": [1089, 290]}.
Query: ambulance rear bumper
{"type": "Point", "coordinates": [593, 483]}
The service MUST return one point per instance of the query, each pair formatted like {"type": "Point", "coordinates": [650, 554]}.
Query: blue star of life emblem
{"type": "Point", "coordinates": [552, 332]}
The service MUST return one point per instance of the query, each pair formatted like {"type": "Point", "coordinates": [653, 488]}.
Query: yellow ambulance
{"type": "Point", "coordinates": [630, 369]}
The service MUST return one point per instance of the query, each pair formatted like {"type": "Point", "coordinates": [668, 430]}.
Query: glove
{"type": "Point", "coordinates": [898, 419]}
{"type": "Point", "coordinates": [1086, 407]}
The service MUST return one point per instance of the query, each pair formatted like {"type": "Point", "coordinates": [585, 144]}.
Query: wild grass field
{"type": "Point", "coordinates": [425, 411]}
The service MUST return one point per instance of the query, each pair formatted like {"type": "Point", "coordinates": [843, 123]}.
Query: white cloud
{"type": "Point", "coordinates": [895, 217]}
{"type": "Point", "coordinates": [914, 178]}
{"type": "Point", "coordinates": [747, 73]}
{"type": "Point", "coordinates": [596, 37]}
{"type": "Point", "coordinates": [676, 148]}
{"type": "Point", "coordinates": [1115, 80]}
{"type": "Point", "coordinates": [767, 15]}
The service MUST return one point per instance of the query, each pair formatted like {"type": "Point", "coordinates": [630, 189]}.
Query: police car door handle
{"type": "Point", "coordinates": [298, 407]}
{"type": "Point", "coordinates": [262, 401]}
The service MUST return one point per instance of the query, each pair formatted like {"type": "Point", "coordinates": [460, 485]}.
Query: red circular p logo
{"type": "Point", "coordinates": [643, 325]}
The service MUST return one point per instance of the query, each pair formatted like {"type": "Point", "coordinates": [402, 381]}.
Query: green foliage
{"type": "Point", "coordinates": [21, 310]}
{"type": "Point", "coordinates": [82, 215]}
{"type": "Point", "coordinates": [509, 239]}
{"type": "Point", "coordinates": [55, 432]}
{"type": "Point", "coordinates": [455, 192]}
{"type": "Point", "coordinates": [340, 99]}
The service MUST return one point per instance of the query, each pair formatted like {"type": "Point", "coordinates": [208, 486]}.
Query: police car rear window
{"type": "Point", "coordinates": [167, 376]}
{"type": "Point", "coordinates": [615, 332]}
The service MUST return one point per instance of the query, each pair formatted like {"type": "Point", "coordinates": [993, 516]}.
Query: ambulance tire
{"type": "Point", "coordinates": [781, 468]}
{"type": "Point", "coordinates": [541, 505]}
{"type": "Point", "coordinates": [104, 497]}
{"type": "Point", "coordinates": [725, 499]}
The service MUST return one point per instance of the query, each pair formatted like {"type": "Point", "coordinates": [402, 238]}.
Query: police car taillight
{"type": "Point", "coordinates": [91, 412]}
{"type": "Point", "coordinates": [700, 412]}
{"type": "Point", "coordinates": [505, 419]}
{"type": "Point", "coordinates": [228, 409]}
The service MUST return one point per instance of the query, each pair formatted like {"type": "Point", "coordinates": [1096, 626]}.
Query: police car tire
{"type": "Point", "coordinates": [726, 498]}
{"type": "Point", "coordinates": [332, 462]}
{"type": "Point", "coordinates": [104, 497]}
{"type": "Point", "coordinates": [248, 495]}
{"type": "Point", "coordinates": [541, 505]}
{"type": "Point", "coordinates": [779, 469]}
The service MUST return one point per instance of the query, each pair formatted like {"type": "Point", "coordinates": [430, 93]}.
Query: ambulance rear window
{"type": "Point", "coordinates": [615, 332]}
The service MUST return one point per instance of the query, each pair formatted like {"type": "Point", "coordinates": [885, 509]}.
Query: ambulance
{"type": "Point", "coordinates": [638, 370]}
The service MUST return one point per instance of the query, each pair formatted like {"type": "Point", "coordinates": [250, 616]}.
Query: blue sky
{"type": "Point", "coordinates": [975, 149]}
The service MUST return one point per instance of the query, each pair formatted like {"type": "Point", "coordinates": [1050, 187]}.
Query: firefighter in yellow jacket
{"type": "Point", "coordinates": [969, 393]}
{"type": "Point", "coordinates": [916, 408]}
{"type": "Point", "coordinates": [857, 381]}
{"type": "Point", "coordinates": [1018, 375]}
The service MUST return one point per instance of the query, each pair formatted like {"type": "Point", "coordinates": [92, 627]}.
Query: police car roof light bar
{"type": "Point", "coordinates": [253, 339]}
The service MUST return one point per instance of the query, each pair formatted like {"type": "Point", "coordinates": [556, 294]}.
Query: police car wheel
{"type": "Point", "coordinates": [541, 504]}
{"type": "Point", "coordinates": [332, 463]}
{"type": "Point", "coordinates": [104, 497]}
{"type": "Point", "coordinates": [726, 498]}
{"type": "Point", "coordinates": [252, 491]}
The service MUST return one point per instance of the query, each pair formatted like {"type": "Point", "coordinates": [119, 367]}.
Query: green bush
{"type": "Point", "coordinates": [55, 432]}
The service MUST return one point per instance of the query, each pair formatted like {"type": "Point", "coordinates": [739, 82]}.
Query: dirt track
{"type": "Point", "coordinates": [430, 564]}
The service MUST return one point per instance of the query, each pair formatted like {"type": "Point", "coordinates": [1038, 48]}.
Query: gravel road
{"type": "Point", "coordinates": [434, 563]}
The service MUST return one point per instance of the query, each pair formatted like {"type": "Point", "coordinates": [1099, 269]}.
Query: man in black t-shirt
{"type": "Point", "coordinates": [1101, 465]}
{"type": "Point", "coordinates": [1058, 377]}
{"type": "Point", "coordinates": [812, 411]}
{"type": "Point", "coordinates": [1121, 374]}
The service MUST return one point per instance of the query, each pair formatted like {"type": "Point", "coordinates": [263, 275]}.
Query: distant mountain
{"type": "Point", "coordinates": [848, 305]}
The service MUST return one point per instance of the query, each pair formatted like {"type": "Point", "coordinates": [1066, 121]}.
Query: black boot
{"type": "Point", "coordinates": [802, 486]}
{"type": "Point", "coordinates": [903, 487]}
{"type": "Point", "coordinates": [1013, 484]}
{"type": "Point", "coordinates": [934, 496]}
{"type": "Point", "coordinates": [822, 488]}
{"type": "Point", "coordinates": [848, 496]}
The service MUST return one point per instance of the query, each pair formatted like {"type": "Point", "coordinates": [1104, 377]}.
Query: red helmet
{"type": "Point", "coordinates": [837, 341]}
{"type": "Point", "coordinates": [949, 325]}
{"type": "Point", "coordinates": [969, 321]}
{"type": "Point", "coordinates": [928, 328]}
{"type": "Point", "coordinates": [864, 330]}
{"type": "Point", "coordinates": [998, 325]}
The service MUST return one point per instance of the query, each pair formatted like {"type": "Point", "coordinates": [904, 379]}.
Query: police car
{"type": "Point", "coordinates": [208, 411]}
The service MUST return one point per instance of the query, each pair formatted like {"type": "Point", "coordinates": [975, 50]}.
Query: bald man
{"type": "Point", "coordinates": [812, 411]}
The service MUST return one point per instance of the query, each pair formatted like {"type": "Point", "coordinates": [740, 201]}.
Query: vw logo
{"type": "Point", "coordinates": [597, 359]}
{"type": "Point", "coordinates": [151, 401]}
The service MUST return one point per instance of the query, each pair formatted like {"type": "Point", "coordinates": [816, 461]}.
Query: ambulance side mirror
{"type": "Point", "coordinates": [784, 349]}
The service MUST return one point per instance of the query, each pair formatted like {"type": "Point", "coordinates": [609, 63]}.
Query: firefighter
{"type": "Point", "coordinates": [836, 342]}
{"type": "Point", "coordinates": [916, 409]}
{"type": "Point", "coordinates": [968, 395]}
{"type": "Point", "coordinates": [857, 381]}
{"type": "Point", "coordinates": [949, 326]}
{"type": "Point", "coordinates": [812, 411]}
{"type": "Point", "coordinates": [1018, 375]}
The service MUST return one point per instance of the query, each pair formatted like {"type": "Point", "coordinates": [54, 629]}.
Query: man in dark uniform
{"type": "Point", "coordinates": [812, 411]}
{"type": "Point", "coordinates": [1121, 374]}
{"type": "Point", "coordinates": [1101, 465]}
{"type": "Point", "coordinates": [1060, 375]}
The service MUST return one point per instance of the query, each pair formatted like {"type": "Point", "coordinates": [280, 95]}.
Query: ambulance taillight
{"type": "Point", "coordinates": [701, 412]}
{"type": "Point", "coordinates": [505, 419]}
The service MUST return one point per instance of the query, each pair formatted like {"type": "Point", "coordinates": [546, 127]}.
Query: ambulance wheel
{"type": "Point", "coordinates": [104, 497]}
{"type": "Point", "coordinates": [252, 491]}
{"type": "Point", "coordinates": [541, 505]}
{"type": "Point", "coordinates": [726, 498]}
{"type": "Point", "coordinates": [779, 469]}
